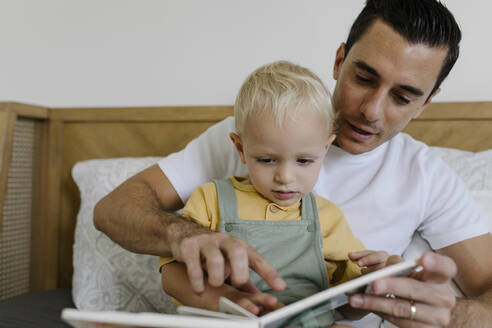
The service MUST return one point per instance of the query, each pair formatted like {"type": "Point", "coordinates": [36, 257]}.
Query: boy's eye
{"type": "Point", "coordinates": [304, 160]}
{"type": "Point", "coordinates": [264, 160]}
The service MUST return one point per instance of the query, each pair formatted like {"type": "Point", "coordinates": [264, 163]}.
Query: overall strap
{"type": "Point", "coordinates": [309, 210]}
{"type": "Point", "coordinates": [226, 197]}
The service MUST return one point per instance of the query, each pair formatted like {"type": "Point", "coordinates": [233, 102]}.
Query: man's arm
{"type": "Point", "coordinates": [136, 216]}
{"type": "Point", "coordinates": [474, 279]}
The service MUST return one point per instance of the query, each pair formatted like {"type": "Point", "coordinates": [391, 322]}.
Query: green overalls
{"type": "Point", "coordinates": [294, 248]}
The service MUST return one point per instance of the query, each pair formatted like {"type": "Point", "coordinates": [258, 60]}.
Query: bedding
{"type": "Point", "coordinates": [108, 277]}
{"type": "Point", "coordinates": [36, 309]}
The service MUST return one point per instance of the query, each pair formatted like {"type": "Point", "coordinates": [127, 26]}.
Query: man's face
{"type": "Point", "coordinates": [382, 83]}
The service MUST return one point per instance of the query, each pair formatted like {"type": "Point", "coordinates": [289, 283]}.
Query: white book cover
{"type": "Point", "coordinates": [232, 315]}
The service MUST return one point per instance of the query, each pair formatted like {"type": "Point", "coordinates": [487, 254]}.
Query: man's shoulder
{"type": "Point", "coordinates": [219, 130]}
{"type": "Point", "coordinates": [407, 144]}
{"type": "Point", "coordinates": [420, 159]}
{"type": "Point", "coordinates": [227, 124]}
{"type": "Point", "coordinates": [406, 148]}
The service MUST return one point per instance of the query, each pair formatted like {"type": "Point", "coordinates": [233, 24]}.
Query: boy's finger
{"type": "Point", "coordinates": [354, 256]}
{"type": "Point", "coordinates": [249, 287]}
{"type": "Point", "coordinates": [249, 305]}
{"type": "Point", "coordinates": [374, 258]}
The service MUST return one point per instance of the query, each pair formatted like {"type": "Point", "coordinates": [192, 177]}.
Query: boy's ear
{"type": "Point", "coordinates": [236, 140]}
{"type": "Point", "coordinates": [331, 138]}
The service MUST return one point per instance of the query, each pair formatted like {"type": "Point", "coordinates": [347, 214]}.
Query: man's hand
{"type": "Point", "coordinates": [218, 254]}
{"type": "Point", "coordinates": [422, 300]}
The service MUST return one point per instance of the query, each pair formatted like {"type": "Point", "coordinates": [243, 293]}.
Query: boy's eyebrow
{"type": "Point", "coordinates": [363, 66]}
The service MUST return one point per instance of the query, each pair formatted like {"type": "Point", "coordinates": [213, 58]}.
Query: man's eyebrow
{"type": "Point", "coordinates": [413, 90]}
{"type": "Point", "coordinates": [363, 66]}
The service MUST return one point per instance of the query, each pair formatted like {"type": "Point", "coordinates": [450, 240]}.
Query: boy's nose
{"type": "Point", "coordinates": [284, 174]}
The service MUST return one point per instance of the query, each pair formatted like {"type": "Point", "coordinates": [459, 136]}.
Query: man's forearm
{"type": "Point", "coordinates": [132, 216]}
{"type": "Point", "coordinates": [473, 312]}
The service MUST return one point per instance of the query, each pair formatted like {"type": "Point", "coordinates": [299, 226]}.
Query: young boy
{"type": "Point", "coordinates": [284, 127]}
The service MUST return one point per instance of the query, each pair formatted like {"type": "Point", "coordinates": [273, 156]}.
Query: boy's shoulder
{"type": "Point", "coordinates": [326, 206]}
{"type": "Point", "coordinates": [205, 191]}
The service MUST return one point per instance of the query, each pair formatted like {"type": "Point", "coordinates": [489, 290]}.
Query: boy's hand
{"type": "Point", "coordinates": [371, 261]}
{"type": "Point", "coordinates": [257, 303]}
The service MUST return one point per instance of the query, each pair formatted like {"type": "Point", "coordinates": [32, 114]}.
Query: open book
{"type": "Point", "coordinates": [232, 315]}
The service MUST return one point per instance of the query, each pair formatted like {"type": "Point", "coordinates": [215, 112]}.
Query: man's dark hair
{"type": "Point", "coordinates": [419, 21]}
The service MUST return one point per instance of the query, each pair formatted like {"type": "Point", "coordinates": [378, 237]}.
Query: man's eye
{"type": "Point", "coordinates": [402, 99]}
{"type": "Point", "coordinates": [362, 78]}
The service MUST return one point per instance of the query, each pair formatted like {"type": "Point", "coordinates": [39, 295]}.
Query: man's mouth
{"type": "Point", "coordinates": [361, 134]}
{"type": "Point", "coordinates": [359, 130]}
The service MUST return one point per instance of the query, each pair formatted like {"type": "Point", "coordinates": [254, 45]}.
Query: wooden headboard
{"type": "Point", "coordinates": [64, 136]}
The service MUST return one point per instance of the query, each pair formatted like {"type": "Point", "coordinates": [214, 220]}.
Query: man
{"type": "Point", "coordinates": [395, 58]}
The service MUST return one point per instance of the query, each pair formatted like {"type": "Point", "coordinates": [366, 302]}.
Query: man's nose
{"type": "Point", "coordinates": [374, 105]}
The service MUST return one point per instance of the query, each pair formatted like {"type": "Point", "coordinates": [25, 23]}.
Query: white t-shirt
{"type": "Point", "coordinates": [386, 194]}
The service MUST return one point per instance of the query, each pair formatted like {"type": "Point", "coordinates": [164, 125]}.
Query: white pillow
{"type": "Point", "coordinates": [106, 276]}
{"type": "Point", "coordinates": [484, 201]}
{"type": "Point", "coordinates": [476, 171]}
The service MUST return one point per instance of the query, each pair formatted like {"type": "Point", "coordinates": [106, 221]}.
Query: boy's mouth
{"type": "Point", "coordinates": [283, 195]}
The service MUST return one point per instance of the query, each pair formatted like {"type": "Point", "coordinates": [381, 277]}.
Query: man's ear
{"type": "Point", "coordinates": [236, 140]}
{"type": "Point", "coordinates": [427, 102]}
{"type": "Point", "coordinates": [340, 56]}
{"type": "Point", "coordinates": [331, 138]}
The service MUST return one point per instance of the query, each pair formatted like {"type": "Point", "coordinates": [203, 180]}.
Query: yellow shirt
{"type": "Point", "coordinates": [338, 238]}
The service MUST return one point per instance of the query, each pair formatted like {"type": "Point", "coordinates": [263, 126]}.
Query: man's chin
{"type": "Point", "coordinates": [354, 147]}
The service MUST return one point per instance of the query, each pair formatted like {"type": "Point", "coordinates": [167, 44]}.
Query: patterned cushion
{"type": "Point", "coordinates": [106, 276]}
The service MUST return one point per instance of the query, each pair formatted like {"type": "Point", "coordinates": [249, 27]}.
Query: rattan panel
{"type": "Point", "coordinates": [15, 237]}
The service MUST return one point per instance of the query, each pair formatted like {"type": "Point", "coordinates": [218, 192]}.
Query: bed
{"type": "Point", "coordinates": [40, 200]}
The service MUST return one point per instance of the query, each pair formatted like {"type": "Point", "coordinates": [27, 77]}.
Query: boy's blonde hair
{"type": "Point", "coordinates": [282, 89]}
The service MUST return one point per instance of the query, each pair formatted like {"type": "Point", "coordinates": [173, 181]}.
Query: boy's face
{"type": "Point", "coordinates": [284, 161]}
{"type": "Point", "coordinates": [382, 83]}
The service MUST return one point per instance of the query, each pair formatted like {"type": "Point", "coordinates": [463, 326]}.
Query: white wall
{"type": "Point", "coordinates": [191, 52]}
